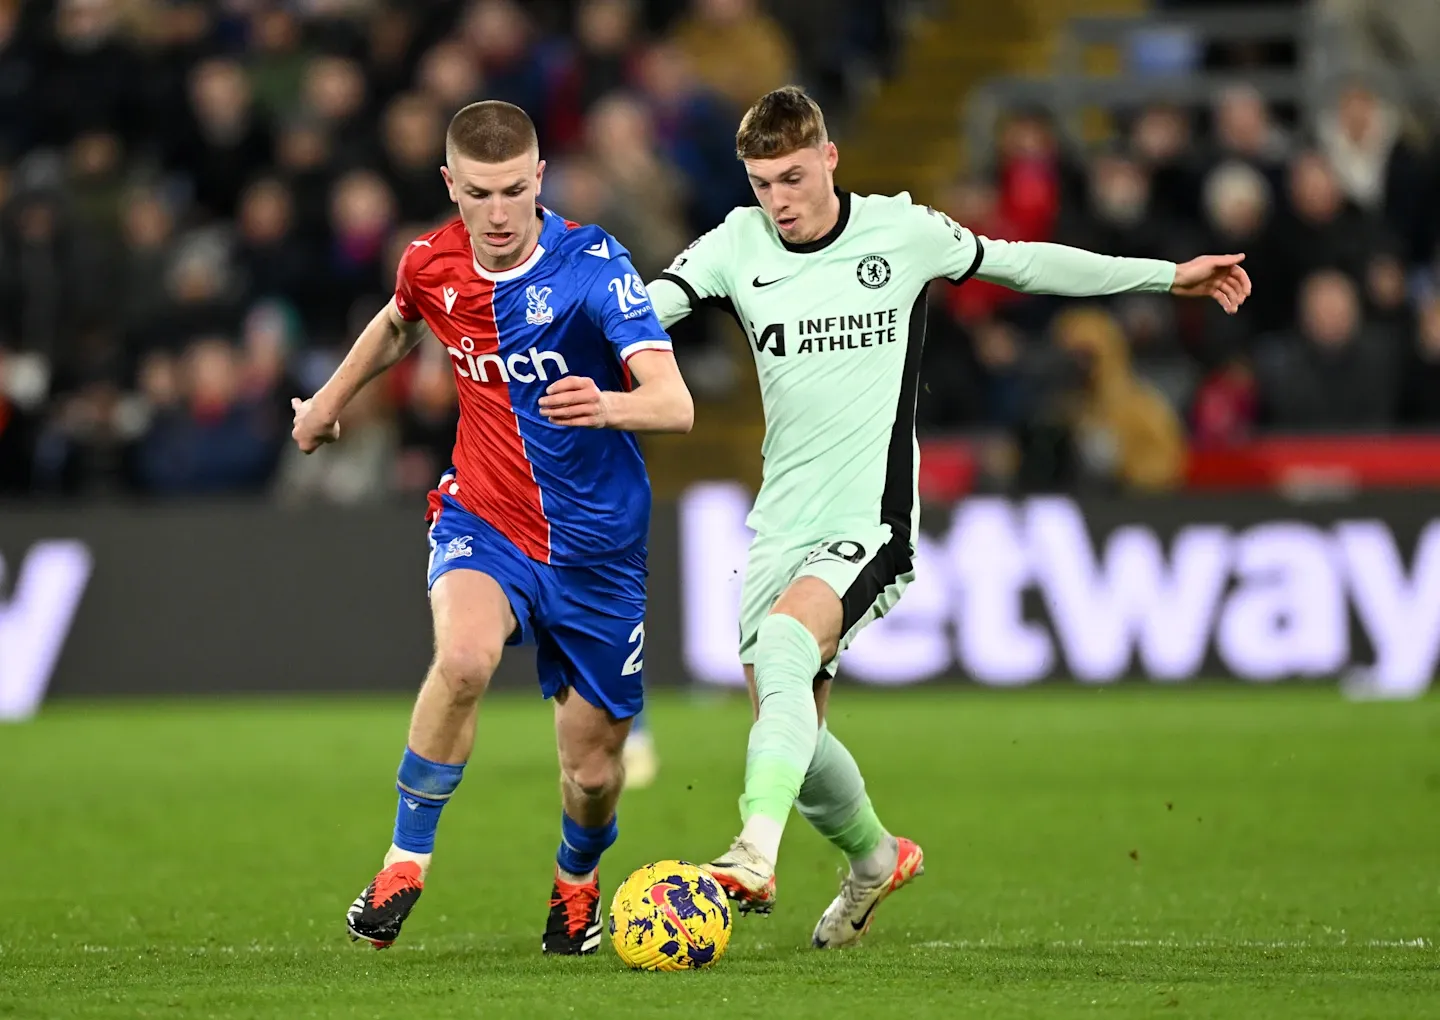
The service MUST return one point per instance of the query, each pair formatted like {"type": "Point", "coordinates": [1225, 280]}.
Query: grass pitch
{"type": "Point", "coordinates": [1128, 852]}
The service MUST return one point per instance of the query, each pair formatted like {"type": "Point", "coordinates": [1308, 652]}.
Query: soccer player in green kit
{"type": "Point", "coordinates": [830, 288]}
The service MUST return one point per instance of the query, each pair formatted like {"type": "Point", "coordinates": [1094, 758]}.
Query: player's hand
{"type": "Point", "coordinates": [1218, 276]}
{"type": "Point", "coordinates": [312, 429]}
{"type": "Point", "coordinates": [576, 400]}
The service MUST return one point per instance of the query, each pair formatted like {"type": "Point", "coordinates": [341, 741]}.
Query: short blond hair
{"type": "Point", "coordinates": [781, 122]}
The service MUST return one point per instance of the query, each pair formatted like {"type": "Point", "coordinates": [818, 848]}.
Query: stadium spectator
{"type": "Point", "coordinates": [226, 143]}
{"type": "Point", "coordinates": [647, 197]}
{"type": "Point", "coordinates": [274, 260]}
{"type": "Point", "coordinates": [362, 214]}
{"type": "Point", "coordinates": [203, 294]}
{"type": "Point", "coordinates": [1245, 130]}
{"type": "Point", "coordinates": [94, 185]}
{"type": "Point", "coordinates": [1162, 140]}
{"type": "Point", "coordinates": [517, 68]}
{"type": "Point", "coordinates": [737, 49]}
{"type": "Point", "coordinates": [212, 439]}
{"type": "Point", "coordinates": [1379, 168]}
{"type": "Point", "coordinates": [1029, 177]}
{"type": "Point", "coordinates": [268, 344]}
{"type": "Point", "coordinates": [694, 128]}
{"type": "Point", "coordinates": [1118, 218]}
{"type": "Point", "coordinates": [1226, 406]}
{"type": "Point", "coordinates": [92, 75]}
{"type": "Point", "coordinates": [37, 246]}
{"type": "Point", "coordinates": [391, 33]}
{"type": "Point", "coordinates": [450, 75]}
{"type": "Point", "coordinates": [426, 422]}
{"type": "Point", "coordinates": [356, 471]}
{"type": "Point", "coordinates": [1420, 391]}
{"type": "Point", "coordinates": [414, 142]}
{"type": "Point", "coordinates": [17, 436]}
{"type": "Point", "coordinates": [604, 59]}
{"type": "Point", "coordinates": [1334, 372]}
{"type": "Point", "coordinates": [19, 73]}
{"type": "Point", "coordinates": [1239, 211]}
{"type": "Point", "coordinates": [277, 60]}
{"type": "Point", "coordinates": [305, 160]}
{"type": "Point", "coordinates": [1322, 230]}
{"type": "Point", "coordinates": [1126, 434]}
{"type": "Point", "coordinates": [334, 93]}
{"type": "Point", "coordinates": [148, 247]}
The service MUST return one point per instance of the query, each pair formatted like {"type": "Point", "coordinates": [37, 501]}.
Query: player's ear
{"type": "Point", "coordinates": [539, 175]}
{"type": "Point", "coordinates": [449, 183]}
{"type": "Point", "coordinates": [832, 156]}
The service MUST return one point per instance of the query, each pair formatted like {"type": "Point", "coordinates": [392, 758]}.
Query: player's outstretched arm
{"type": "Point", "coordinates": [660, 402]}
{"type": "Point", "coordinates": [1037, 267]}
{"type": "Point", "coordinates": [382, 343]}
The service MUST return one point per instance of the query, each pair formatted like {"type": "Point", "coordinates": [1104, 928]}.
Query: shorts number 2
{"type": "Point", "coordinates": [635, 663]}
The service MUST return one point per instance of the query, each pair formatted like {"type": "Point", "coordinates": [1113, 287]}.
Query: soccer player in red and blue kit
{"type": "Point", "coordinates": [538, 532]}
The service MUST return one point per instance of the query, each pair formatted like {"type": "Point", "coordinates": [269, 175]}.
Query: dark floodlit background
{"type": "Point", "coordinates": [201, 203]}
{"type": "Point", "coordinates": [1156, 704]}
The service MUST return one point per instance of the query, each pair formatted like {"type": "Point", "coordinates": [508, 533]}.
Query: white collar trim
{"type": "Point", "coordinates": [513, 273]}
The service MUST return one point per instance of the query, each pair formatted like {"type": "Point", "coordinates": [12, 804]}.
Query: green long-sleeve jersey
{"type": "Point", "coordinates": [836, 326]}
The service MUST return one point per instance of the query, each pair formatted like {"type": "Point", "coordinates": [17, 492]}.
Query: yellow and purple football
{"type": "Point", "coordinates": [669, 915]}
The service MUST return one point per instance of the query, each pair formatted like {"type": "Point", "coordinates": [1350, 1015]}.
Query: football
{"type": "Point", "coordinates": [669, 916]}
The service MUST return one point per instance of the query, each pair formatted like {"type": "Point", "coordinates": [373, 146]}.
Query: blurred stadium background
{"type": "Point", "coordinates": [201, 203]}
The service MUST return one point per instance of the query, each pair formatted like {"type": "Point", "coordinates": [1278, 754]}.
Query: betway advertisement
{"type": "Point", "coordinates": [1014, 592]}
{"type": "Point", "coordinates": [251, 599]}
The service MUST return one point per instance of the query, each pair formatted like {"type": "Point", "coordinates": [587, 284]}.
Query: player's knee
{"type": "Point", "coordinates": [594, 775]}
{"type": "Point", "coordinates": [827, 637]}
{"type": "Point", "coordinates": [466, 666]}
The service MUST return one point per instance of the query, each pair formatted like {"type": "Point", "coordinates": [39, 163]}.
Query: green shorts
{"type": "Point", "coordinates": [866, 566]}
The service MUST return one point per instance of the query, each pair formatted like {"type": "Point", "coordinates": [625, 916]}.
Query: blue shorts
{"type": "Point", "coordinates": [587, 623]}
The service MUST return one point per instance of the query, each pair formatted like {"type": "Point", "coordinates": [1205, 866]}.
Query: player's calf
{"type": "Point", "coordinates": [591, 772]}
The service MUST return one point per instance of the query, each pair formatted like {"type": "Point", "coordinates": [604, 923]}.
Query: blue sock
{"type": "Point", "coordinates": [580, 848]}
{"type": "Point", "coordinates": [424, 787]}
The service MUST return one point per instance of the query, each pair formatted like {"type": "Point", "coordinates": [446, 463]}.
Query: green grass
{"type": "Point", "coordinates": [1130, 852]}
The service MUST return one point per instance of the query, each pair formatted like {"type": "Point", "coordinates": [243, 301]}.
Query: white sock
{"type": "Point", "coordinates": [396, 854]}
{"type": "Point", "coordinates": [879, 863]}
{"type": "Point", "coordinates": [763, 833]}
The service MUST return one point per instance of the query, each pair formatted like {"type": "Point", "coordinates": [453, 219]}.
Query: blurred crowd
{"type": "Point", "coordinates": [1339, 226]}
{"type": "Point", "coordinates": [202, 202]}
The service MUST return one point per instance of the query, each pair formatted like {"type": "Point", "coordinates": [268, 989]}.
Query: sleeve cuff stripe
{"type": "Point", "coordinates": [684, 285]}
{"type": "Point", "coordinates": [974, 266]}
{"type": "Point", "coordinates": [644, 345]}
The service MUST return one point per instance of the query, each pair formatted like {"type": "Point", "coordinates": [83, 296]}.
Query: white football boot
{"type": "Point", "coordinates": [850, 914]}
{"type": "Point", "coordinates": [746, 876]}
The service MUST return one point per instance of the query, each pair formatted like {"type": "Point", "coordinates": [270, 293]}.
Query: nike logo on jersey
{"type": "Point", "coordinates": [601, 250]}
{"type": "Point", "coordinates": [420, 244]}
{"type": "Point", "coordinates": [450, 295]}
{"type": "Point", "coordinates": [756, 282]}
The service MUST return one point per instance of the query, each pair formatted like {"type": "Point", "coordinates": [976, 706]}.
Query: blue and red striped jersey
{"type": "Point", "coordinates": [564, 495]}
